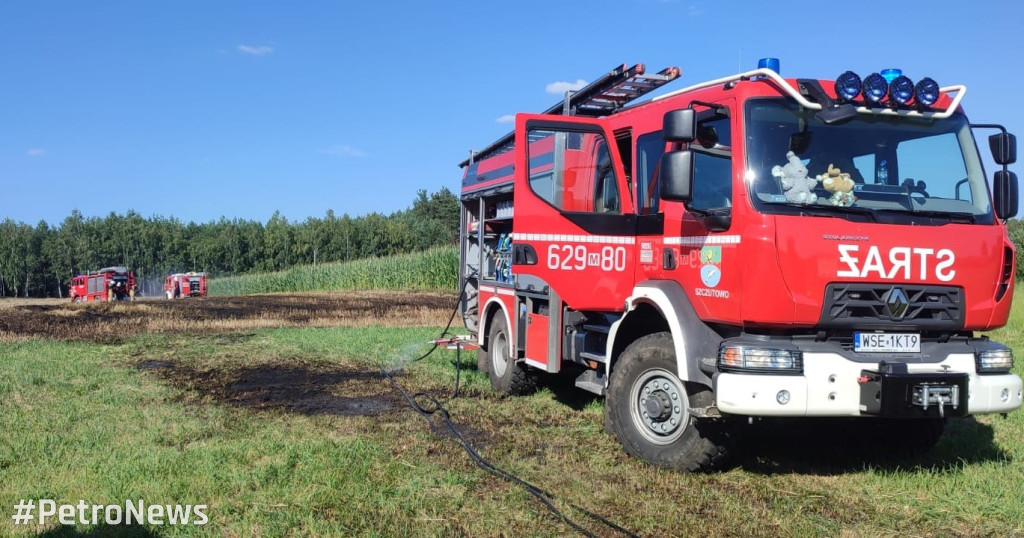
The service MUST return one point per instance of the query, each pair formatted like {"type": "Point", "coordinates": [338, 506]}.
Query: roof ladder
{"type": "Point", "coordinates": [602, 97]}
{"type": "Point", "coordinates": [612, 91]}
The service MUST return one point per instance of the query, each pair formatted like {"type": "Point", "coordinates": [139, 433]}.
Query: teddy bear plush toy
{"type": "Point", "coordinates": [840, 184]}
{"type": "Point", "coordinates": [798, 187]}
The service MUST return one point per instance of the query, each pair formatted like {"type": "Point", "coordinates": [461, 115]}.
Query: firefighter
{"type": "Point", "coordinates": [110, 290]}
{"type": "Point", "coordinates": [131, 292]}
{"type": "Point", "coordinates": [177, 288]}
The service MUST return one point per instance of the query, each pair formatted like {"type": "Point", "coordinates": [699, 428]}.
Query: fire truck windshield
{"type": "Point", "coordinates": [871, 168]}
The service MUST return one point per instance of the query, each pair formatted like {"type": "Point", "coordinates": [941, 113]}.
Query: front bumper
{"type": "Point", "coordinates": [831, 386]}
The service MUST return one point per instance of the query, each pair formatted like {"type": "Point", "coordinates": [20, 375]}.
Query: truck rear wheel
{"type": "Point", "coordinates": [648, 410]}
{"type": "Point", "coordinates": [506, 374]}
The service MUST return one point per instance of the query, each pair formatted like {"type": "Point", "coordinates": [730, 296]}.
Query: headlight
{"type": "Point", "coordinates": [735, 357]}
{"type": "Point", "coordinates": [994, 361]}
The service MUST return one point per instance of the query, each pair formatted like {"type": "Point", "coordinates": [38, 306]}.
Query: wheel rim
{"type": "Point", "coordinates": [499, 354]}
{"type": "Point", "coordinates": [658, 406]}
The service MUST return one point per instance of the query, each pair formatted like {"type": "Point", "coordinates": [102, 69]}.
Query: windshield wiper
{"type": "Point", "coordinates": [830, 210]}
{"type": "Point", "coordinates": [952, 216]}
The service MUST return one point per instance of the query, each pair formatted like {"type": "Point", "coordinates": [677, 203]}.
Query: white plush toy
{"type": "Point", "coordinates": [798, 187]}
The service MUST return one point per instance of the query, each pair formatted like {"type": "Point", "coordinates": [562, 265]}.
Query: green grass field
{"type": "Point", "coordinates": [177, 419]}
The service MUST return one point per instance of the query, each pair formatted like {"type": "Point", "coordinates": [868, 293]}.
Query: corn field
{"type": "Point", "coordinates": [435, 269]}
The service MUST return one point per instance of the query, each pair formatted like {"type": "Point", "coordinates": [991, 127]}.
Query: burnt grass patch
{"type": "Point", "coordinates": [345, 391]}
{"type": "Point", "coordinates": [112, 323]}
{"type": "Point", "coordinates": [301, 389]}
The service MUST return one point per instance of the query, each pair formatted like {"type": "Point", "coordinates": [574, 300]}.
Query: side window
{"type": "Point", "coordinates": [649, 148]}
{"type": "Point", "coordinates": [712, 165]}
{"type": "Point", "coordinates": [712, 181]}
{"type": "Point", "coordinates": [573, 171]}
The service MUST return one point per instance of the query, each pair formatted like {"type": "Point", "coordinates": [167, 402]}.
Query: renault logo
{"type": "Point", "coordinates": [897, 302]}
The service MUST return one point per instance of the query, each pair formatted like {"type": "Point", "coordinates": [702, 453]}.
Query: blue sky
{"type": "Point", "coordinates": [353, 106]}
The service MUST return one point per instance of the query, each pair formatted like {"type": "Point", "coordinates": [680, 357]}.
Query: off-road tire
{"type": "Point", "coordinates": [506, 374]}
{"type": "Point", "coordinates": [688, 444]}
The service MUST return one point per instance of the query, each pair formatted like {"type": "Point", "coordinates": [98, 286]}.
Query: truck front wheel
{"type": "Point", "coordinates": [506, 374]}
{"type": "Point", "coordinates": [648, 409]}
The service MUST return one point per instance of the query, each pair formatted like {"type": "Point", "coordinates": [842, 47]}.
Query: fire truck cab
{"type": "Point", "coordinates": [751, 246]}
{"type": "Point", "coordinates": [191, 284]}
{"type": "Point", "coordinates": [109, 283]}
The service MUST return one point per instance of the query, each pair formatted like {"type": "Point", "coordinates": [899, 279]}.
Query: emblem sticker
{"type": "Point", "coordinates": [711, 266]}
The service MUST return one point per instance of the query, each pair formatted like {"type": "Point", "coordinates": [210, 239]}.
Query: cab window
{"type": "Point", "coordinates": [712, 164]}
{"type": "Point", "coordinates": [573, 171]}
{"type": "Point", "coordinates": [649, 148]}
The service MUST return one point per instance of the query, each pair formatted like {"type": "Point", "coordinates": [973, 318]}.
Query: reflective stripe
{"type": "Point", "coordinates": [697, 240]}
{"type": "Point", "coordinates": [565, 238]}
{"type": "Point", "coordinates": [497, 290]}
{"type": "Point", "coordinates": [535, 363]}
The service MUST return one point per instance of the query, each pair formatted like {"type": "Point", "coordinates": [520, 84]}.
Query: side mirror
{"type": "Point", "coordinates": [680, 125]}
{"type": "Point", "coordinates": [1006, 193]}
{"type": "Point", "coordinates": [676, 181]}
{"type": "Point", "coordinates": [1004, 148]}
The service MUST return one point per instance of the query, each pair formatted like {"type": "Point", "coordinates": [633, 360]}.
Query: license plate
{"type": "Point", "coordinates": [887, 342]}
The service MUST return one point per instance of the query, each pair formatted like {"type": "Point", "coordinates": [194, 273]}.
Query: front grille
{"type": "Point", "coordinates": [889, 306]}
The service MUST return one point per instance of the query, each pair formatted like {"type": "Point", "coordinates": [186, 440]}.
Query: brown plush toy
{"type": "Point", "coordinates": [840, 184]}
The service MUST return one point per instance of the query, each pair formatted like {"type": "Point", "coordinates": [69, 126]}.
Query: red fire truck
{"type": "Point", "coordinates": [191, 284]}
{"type": "Point", "coordinates": [688, 257]}
{"type": "Point", "coordinates": [109, 283]}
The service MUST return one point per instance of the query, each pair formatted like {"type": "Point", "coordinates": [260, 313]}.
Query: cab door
{"type": "Point", "coordinates": [574, 223]}
{"type": "Point", "coordinates": [703, 235]}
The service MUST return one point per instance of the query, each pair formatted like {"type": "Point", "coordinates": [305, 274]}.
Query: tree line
{"type": "Point", "coordinates": [40, 260]}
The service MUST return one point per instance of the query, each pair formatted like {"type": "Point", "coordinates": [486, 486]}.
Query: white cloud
{"type": "Point", "coordinates": [507, 118]}
{"type": "Point", "coordinates": [696, 10]}
{"type": "Point", "coordinates": [559, 88]}
{"type": "Point", "coordinates": [36, 152]}
{"type": "Point", "coordinates": [344, 151]}
{"type": "Point", "coordinates": [255, 50]}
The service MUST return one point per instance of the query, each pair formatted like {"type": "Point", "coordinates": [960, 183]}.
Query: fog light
{"type": "Point", "coordinates": [782, 397]}
{"type": "Point", "coordinates": [1005, 395]}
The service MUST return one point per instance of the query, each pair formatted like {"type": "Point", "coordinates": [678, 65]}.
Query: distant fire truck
{"type": "Point", "coordinates": [107, 284]}
{"type": "Point", "coordinates": [746, 247]}
{"type": "Point", "coordinates": [191, 284]}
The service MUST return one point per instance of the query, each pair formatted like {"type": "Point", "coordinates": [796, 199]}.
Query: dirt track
{"type": "Point", "coordinates": [52, 318]}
